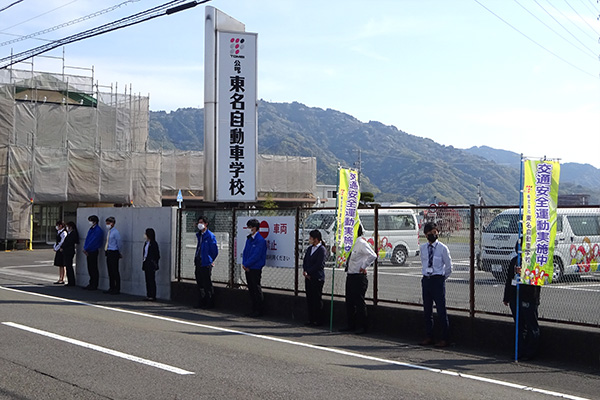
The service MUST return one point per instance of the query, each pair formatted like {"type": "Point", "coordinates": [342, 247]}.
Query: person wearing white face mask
{"type": "Point", "coordinates": [91, 247]}
{"type": "Point", "coordinates": [113, 254]}
{"type": "Point", "coordinates": [61, 234]}
{"type": "Point", "coordinates": [204, 260]}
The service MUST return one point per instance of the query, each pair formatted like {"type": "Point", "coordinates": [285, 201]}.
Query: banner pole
{"type": "Point", "coordinates": [337, 197]}
{"type": "Point", "coordinates": [519, 256]}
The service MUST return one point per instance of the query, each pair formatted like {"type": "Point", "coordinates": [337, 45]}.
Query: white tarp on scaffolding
{"type": "Point", "coordinates": [285, 174]}
{"type": "Point", "coordinates": [61, 140]}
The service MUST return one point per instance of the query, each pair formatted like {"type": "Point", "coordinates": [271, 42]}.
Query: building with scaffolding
{"type": "Point", "coordinates": [66, 142]}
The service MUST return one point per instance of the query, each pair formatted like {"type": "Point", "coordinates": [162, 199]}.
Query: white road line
{"type": "Point", "coordinates": [101, 349]}
{"type": "Point", "coordinates": [315, 347]}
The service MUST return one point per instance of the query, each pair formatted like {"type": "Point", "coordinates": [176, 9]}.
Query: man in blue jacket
{"type": "Point", "coordinates": [91, 247]}
{"type": "Point", "coordinates": [253, 260]}
{"type": "Point", "coordinates": [206, 252]}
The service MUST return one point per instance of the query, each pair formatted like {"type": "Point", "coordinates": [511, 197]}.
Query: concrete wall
{"type": "Point", "coordinates": [131, 224]}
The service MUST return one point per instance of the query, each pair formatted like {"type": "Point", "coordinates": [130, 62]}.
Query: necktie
{"type": "Point", "coordinates": [430, 264]}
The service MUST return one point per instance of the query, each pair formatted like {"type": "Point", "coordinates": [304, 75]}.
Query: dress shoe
{"type": "Point", "coordinates": [442, 343]}
{"type": "Point", "coordinates": [427, 342]}
{"type": "Point", "coordinates": [59, 282]}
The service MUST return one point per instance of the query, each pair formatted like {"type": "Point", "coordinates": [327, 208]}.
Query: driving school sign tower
{"type": "Point", "coordinates": [230, 119]}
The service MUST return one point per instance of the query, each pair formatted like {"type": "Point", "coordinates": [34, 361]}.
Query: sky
{"type": "Point", "coordinates": [518, 75]}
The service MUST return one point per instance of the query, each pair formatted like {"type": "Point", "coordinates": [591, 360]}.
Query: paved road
{"type": "Point", "coordinates": [59, 342]}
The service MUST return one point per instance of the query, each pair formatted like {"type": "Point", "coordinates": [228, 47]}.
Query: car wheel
{"type": "Point", "coordinates": [558, 272]}
{"type": "Point", "coordinates": [399, 255]}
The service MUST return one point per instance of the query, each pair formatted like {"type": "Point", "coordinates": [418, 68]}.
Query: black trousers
{"type": "Point", "coordinates": [112, 264]}
{"type": "Point", "coordinates": [314, 301]}
{"type": "Point", "coordinates": [68, 260]}
{"type": "Point", "coordinates": [92, 263]}
{"type": "Point", "coordinates": [529, 329]}
{"type": "Point", "coordinates": [253, 277]}
{"type": "Point", "coordinates": [205, 286]}
{"type": "Point", "coordinates": [356, 308]}
{"type": "Point", "coordinates": [434, 291]}
{"type": "Point", "coordinates": [150, 284]}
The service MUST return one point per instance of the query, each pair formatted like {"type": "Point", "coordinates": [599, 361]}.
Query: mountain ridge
{"type": "Point", "coordinates": [396, 166]}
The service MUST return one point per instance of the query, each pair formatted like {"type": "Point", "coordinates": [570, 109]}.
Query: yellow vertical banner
{"type": "Point", "coordinates": [347, 214]}
{"type": "Point", "coordinates": [540, 198]}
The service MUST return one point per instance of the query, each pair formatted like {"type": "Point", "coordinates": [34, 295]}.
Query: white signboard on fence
{"type": "Point", "coordinates": [236, 143]}
{"type": "Point", "coordinates": [280, 235]}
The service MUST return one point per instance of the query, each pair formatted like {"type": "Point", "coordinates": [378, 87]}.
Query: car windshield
{"type": "Point", "coordinates": [319, 221]}
{"type": "Point", "coordinates": [504, 223]}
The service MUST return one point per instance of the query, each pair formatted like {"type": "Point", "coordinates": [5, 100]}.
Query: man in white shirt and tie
{"type": "Point", "coordinates": [437, 267]}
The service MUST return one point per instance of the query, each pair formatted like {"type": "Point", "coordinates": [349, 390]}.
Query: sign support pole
{"type": "Point", "coordinates": [519, 255]}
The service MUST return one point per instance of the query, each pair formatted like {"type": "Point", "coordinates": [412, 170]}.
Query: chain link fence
{"type": "Point", "coordinates": [481, 241]}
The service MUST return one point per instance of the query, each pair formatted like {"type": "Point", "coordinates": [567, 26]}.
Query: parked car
{"type": "Point", "coordinates": [398, 233]}
{"type": "Point", "coordinates": [577, 243]}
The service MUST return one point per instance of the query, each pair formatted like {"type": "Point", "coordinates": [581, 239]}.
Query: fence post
{"type": "Point", "coordinates": [472, 262]}
{"type": "Point", "coordinates": [296, 266]}
{"type": "Point", "coordinates": [376, 264]}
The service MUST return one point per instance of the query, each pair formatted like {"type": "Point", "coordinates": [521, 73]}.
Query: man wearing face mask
{"type": "Point", "coordinates": [204, 260]}
{"type": "Point", "coordinates": [437, 267]}
{"type": "Point", "coordinates": [93, 242]}
{"type": "Point", "coordinates": [113, 254]}
{"type": "Point", "coordinates": [253, 261]}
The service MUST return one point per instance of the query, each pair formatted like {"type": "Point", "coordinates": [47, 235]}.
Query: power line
{"type": "Point", "coordinates": [592, 3]}
{"type": "Point", "coordinates": [593, 10]}
{"type": "Point", "coordinates": [538, 44]}
{"type": "Point", "coordinates": [558, 22]}
{"type": "Point", "coordinates": [164, 9]}
{"type": "Point", "coordinates": [37, 16]}
{"type": "Point", "coordinates": [577, 26]}
{"type": "Point", "coordinates": [69, 23]}
{"type": "Point", "coordinates": [547, 26]}
{"type": "Point", "coordinates": [583, 19]}
{"type": "Point", "coordinates": [18, 36]}
{"type": "Point", "coordinates": [10, 5]}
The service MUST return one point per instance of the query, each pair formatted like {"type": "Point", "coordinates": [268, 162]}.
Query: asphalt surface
{"type": "Point", "coordinates": [67, 343]}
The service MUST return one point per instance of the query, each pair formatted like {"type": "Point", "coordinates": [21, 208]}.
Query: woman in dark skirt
{"type": "Point", "coordinates": [150, 263]}
{"type": "Point", "coordinates": [68, 251]}
{"type": "Point", "coordinates": [61, 234]}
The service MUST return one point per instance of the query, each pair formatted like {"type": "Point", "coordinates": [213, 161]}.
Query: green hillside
{"type": "Point", "coordinates": [396, 166]}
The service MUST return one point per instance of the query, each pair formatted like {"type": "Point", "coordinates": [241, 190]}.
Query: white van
{"type": "Point", "coordinates": [577, 245]}
{"type": "Point", "coordinates": [398, 231]}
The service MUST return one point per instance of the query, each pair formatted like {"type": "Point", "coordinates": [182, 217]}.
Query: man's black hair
{"type": "Point", "coordinates": [429, 226]}
{"type": "Point", "coordinates": [253, 223]}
